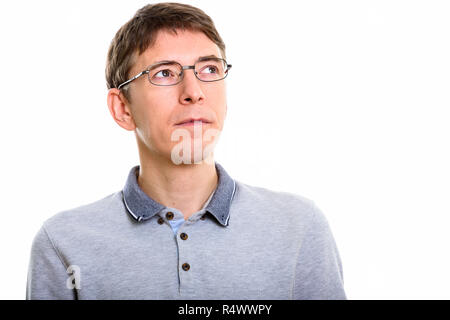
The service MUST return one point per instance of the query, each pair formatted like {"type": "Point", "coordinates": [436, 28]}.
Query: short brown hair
{"type": "Point", "coordinates": [139, 33]}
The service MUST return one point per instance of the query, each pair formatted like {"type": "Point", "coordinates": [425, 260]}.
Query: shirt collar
{"type": "Point", "coordinates": [141, 207]}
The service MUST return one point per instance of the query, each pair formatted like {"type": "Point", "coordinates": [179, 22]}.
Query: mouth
{"type": "Point", "coordinates": [193, 122]}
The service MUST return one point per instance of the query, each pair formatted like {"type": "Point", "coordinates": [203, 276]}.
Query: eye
{"type": "Point", "coordinates": [210, 69]}
{"type": "Point", "coordinates": [164, 74]}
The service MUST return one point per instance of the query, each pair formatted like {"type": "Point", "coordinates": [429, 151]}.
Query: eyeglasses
{"type": "Point", "coordinates": [169, 73]}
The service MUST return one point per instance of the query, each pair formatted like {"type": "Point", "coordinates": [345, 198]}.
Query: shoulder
{"type": "Point", "coordinates": [267, 195]}
{"type": "Point", "coordinates": [89, 216]}
{"type": "Point", "coordinates": [277, 205]}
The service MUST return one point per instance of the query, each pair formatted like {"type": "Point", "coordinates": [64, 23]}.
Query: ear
{"type": "Point", "coordinates": [120, 110]}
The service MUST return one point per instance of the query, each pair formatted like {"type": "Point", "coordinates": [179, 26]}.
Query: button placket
{"type": "Point", "coordinates": [183, 249]}
{"type": "Point", "coordinates": [186, 263]}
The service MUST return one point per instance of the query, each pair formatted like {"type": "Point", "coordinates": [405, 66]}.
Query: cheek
{"type": "Point", "coordinates": [152, 121]}
{"type": "Point", "coordinates": [149, 110]}
{"type": "Point", "coordinates": [221, 107]}
{"type": "Point", "coordinates": [218, 100]}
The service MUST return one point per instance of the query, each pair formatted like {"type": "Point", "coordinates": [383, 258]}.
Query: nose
{"type": "Point", "coordinates": [191, 90]}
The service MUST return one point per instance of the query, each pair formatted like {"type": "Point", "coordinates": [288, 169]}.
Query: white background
{"type": "Point", "coordinates": [348, 105]}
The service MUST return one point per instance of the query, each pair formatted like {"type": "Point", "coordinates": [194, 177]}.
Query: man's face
{"type": "Point", "coordinates": [157, 110]}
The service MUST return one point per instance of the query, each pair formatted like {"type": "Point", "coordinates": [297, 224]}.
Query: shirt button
{"type": "Point", "coordinates": [186, 266]}
{"type": "Point", "coordinates": [169, 215]}
{"type": "Point", "coordinates": [183, 236]}
{"type": "Point", "coordinates": [160, 220]}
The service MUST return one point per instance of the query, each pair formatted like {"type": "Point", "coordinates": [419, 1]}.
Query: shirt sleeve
{"type": "Point", "coordinates": [319, 274]}
{"type": "Point", "coordinates": [47, 277]}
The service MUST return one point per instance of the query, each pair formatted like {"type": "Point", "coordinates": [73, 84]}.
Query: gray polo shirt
{"type": "Point", "coordinates": [246, 242]}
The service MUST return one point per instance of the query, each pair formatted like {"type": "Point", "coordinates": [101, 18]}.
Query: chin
{"type": "Point", "coordinates": [193, 152]}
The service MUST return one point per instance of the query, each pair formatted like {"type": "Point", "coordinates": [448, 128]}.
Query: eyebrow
{"type": "Point", "coordinates": [211, 56]}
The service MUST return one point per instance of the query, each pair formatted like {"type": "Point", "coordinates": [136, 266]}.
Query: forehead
{"type": "Point", "coordinates": [185, 47]}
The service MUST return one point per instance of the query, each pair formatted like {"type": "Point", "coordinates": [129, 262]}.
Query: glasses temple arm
{"type": "Point", "coordinates": [132, 79]}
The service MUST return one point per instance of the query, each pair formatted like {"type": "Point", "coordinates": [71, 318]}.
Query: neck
{"type": "Point", "coordinates": [185, 187]}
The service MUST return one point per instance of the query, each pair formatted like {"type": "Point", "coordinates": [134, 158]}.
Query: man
{"type": "Point", "coordinates": [181, 228]}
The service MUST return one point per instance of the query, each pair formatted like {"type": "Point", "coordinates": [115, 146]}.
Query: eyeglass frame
{"type": "Point", "coordinates": [147, 71]}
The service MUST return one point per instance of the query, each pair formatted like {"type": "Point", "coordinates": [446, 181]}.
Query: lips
{"type": "Point", "coordinates": [192, 121]}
